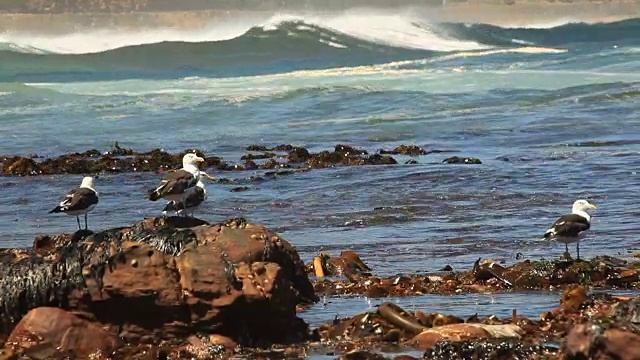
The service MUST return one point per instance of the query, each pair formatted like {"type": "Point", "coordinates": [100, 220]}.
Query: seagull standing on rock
{"type": "Point", "coordinates": [177, 185]}
{"type": "Point", "coordinates": [572, 227]}
{"type": "Point", "coordinates": [79, 201]}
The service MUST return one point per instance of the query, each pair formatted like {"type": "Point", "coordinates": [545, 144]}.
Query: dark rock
{"type": "Point", "coordinates": [284, 147]}
{"type": "Point", "coordinates": [271, 164]}
{"type": "Point", "coordinates": [461, 160]}
{"type": "Point", "coordinates": [240, 189]}
{"type": "Point", "coordinates": [19, 166]}
{"type": "Point", "coordinates": [120, 160]}
{"type": "Point", "coordinates": [489, 349]}
{"type": "Point", "coordinates": [347, 150]}
{"type": "Point", "coordinates": [250, 165]}
{"type": "Point", "coordinates": [411, 150]}
{"type": "Point", "coordinates": [116, 150]}
{"type": "Point", "coordinates": [257, 148]}
{"type": "Point", "coordinates": [299, 154]}
{"type": "Point", "coordinates": [361, 355]}
{"type": "Point", "coordinates": [266, 155]}
{"type": "Point", "coordinates": [377, 159]}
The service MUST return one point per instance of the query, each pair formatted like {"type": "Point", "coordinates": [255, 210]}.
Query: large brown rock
{"type": "Point", "coordinates": [166, 278]}
{"type": "Point", "coordinates": [590, 341]}
{"type": "Point", "coordinates": [459, 332]}
{"type": "Point", "coordinates": [47, 332]}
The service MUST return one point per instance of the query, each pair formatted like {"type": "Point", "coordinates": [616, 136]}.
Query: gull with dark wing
{"type": "Point", "coordinates": [79, 201]}
{"type": "Point", "coordinates": [572, 227]}
{"type": "Point", "coordinates": [194, 197]}
{"type": "Point", "coordinates": [174, 184]}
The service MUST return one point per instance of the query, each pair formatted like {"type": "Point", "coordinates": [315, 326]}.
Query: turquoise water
{"type": "Point", "coordinates": [553, 113]}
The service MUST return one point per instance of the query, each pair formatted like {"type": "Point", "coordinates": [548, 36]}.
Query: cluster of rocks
{"type": "Point", "coordinates": [488, 276]}
{"type": "Point", "coordinates": [180, 287]}
{"type": "Point", "coordinates": [295, 158]}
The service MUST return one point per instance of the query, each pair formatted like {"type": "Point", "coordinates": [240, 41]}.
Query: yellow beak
{"type": "Point", "coordinates": [593, 206]}
{"type": "Point", "coordinates": [199, 159]}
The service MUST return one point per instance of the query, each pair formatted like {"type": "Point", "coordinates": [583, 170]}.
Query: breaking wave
{"type": "Point", "coordinates": [309, 41]}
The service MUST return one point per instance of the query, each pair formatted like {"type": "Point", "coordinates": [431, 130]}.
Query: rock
{"type": "Point", "coordinates": [299, 154]}
{"type": "Point", "coordinates": [348, 263]}
{"type": "Point", "coordinates": [489, 349]}
{"type": "Point", "coordinates": [240, 189]}
{"type": "Point", "coordinates": [361, 355]}
{"type": "Point", "coordinates": [119, 160]}
{"type": "Point", "coordinates": [257, 148]}
{"type": "Point", "coordinates": [411, 150]}
{"type": "Point", "coordinates": [589, 341]}
{"type": "Point", "coordinates": [573, 298]}
{"type": "Point", "coordinates": [462, 160]}
{"type": "Point", "coordinates": [167, 278]}
{"type": "Point", "coordinates": [251, 156]}
{"type": "Point", "coordinates": [19, 166]}
{"type": "Point", "coordinates": [47, 332]}
{"type": "Point", "coordinates": [458, 332]}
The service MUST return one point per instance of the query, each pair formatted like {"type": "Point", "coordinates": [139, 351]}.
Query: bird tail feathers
{"type": "Point", "coordinates": [154, 195]}
{"type": "Point", "coordinates": [56, 209]}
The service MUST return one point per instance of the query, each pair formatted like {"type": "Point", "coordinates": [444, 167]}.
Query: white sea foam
{"type": "Point", "coordinates": [400, 29]}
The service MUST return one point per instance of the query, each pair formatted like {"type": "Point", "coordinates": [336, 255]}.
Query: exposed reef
{"type": "Point", "coordinates": [182, 288]}
{"type": "Point", "coordinates": [157, 280]}
{"type": "Point", "coordinates": [355, 278]}
{"type": "Point", "coordinates": [292, 158]}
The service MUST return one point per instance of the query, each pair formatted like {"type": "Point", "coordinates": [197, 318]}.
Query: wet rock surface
{"type": "Point", "coordinates": [483, 276]}
{"type": "Point", "coordinates": [182, 288]}
{"type": "Point", "coordinates": [158, 280]}
{"type": "Point", "coordinates": [123, 160]}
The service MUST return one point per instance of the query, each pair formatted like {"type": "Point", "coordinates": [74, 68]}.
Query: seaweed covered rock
{"type": "Point", "coordinates": [164, 278]}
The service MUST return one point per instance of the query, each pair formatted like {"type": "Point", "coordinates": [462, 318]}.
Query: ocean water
{"type": "Point", "coordinates": [552, 111]}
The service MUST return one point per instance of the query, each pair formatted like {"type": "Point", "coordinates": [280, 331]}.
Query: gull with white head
{"type": "Point", "coordinates": [176, 185]}
{"type": "Point", "coordinates": [572, 227]}
{"type": "Point", "coordinates": [79, 201]}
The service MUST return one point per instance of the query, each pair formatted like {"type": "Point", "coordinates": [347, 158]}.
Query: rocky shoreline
{"type": "Point", "coordinates": [182, 288]}
{"type": "Point", "coordinates": [282, 159]}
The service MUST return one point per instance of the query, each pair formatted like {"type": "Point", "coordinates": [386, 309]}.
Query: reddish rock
{"type": "Point", "coordinates": [168, 278]}
{"type": "Point", "coordinates": [464, 331]}
{"type": "Point", "coordinates": [411, 150]}
{"type": "Point", "coordinates": [588, 341]}
{"type": "Point", "coordinates": [454, 332]}
{"type": "Point", "coordinates": [48, 332]}
{"type": "Point", "coordinates": [573, 298]}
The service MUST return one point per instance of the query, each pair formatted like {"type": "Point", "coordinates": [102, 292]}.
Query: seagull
{"type": "Point", "coordinates": [194, 197]}
{"type": "Point", "coordinates": [174, 184]}
{"type": "Point", "coordinates": [79, 201]}
{"type": "Point", "coordinates": [572, 227]}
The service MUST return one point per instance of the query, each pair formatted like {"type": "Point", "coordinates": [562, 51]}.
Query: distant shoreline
{"type": "Point", "coordinates": [518, 14]}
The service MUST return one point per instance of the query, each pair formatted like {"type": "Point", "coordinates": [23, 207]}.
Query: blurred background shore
{"type": "Point", "coordinates": [62, 16]}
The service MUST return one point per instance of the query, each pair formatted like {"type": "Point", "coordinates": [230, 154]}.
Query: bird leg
{"type": "Point", "coordinates": [566, 254]}
{"type": "Point", "coordinates": [85, 222]}
{"type": "Point", "coordinates": [78, 220]}
{"type": "Point", "coordinates": [578, 249]}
